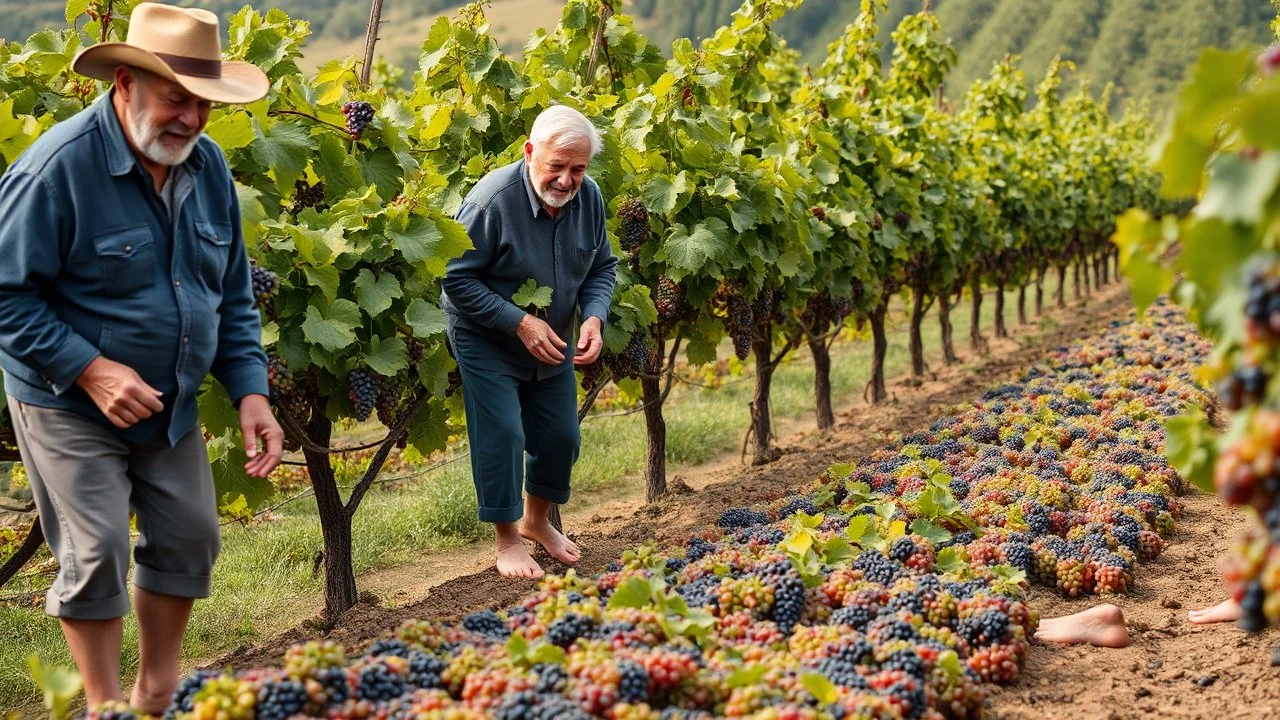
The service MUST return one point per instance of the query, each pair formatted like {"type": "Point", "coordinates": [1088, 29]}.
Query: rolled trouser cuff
{"type": "Point", "coordinates": [559, 496]}
{"type": "Point", "coordinates": [168, 583]}
{"type": "Point", "coordinates": [98, 609]}
{"type": "Point", "coordinates": [502, 515]}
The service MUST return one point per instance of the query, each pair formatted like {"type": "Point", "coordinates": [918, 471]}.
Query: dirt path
{"type": "Point", "coordinates": [621, 520]}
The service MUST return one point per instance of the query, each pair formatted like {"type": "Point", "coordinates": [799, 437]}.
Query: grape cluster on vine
{"type": "Point", "coordinates": [265, 285]}
{"type": "Point", "coordinates": [363, 392]}
{"type": "Point", "coordinates": [359, 114]}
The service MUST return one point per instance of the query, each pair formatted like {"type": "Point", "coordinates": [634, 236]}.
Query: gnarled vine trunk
{"type": "Point", "coordinates": [822, 382]}
{"type": "Point", "coordinates": [335, 522]}
{"type": "Point", "coordinates": [761, 426]}
{"type": "Point", "coordinates": [916, 340]}
{"type": "Point", "coordinates": [1084, 273]}
{"type": "Point", "coordinates": [944, 319]}
{"type": "Point", "coordinates": [977, 343]}
{"type": "Point", "coordinates": [1001, 331]}
{"type": "Point", "coordinates": [1022, 304]}
{"type": "Point", "coordinates": [655, 426]}
{"type": "Point", "coordinates": [1062, 286]}
{"type": "Point", "coordinates": [1040, 293]}
{"type": "Point", "coordinates": [879, 346]}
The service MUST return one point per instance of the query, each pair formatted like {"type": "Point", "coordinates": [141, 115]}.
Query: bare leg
{"type": "Point", "coordinates": [1102, 626]}
{"type": "Point", "coordinates": [162, 621]}
{"type": "Point", "coordinates": [95, 645]}
{"type": "Point", "coordinates": [514, 559]}
{"type": "Point", "coordinates": [1225, 611]}
{"type": "Point", "coordinates": [538, 528]}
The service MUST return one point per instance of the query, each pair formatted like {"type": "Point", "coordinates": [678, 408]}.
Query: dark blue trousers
{"type": "Point", "coordinates": [521, 431]}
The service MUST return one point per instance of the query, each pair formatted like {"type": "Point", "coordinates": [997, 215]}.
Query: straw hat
{"type": "Point", "coordinates": [183, 45]}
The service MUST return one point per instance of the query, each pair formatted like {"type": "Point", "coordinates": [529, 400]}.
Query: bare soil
{"type": "Point", "coordinates": [1160, 674]}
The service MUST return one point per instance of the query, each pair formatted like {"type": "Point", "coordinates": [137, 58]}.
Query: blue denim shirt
{"type": "Point", "coordinates": [94, 264]}
{"type": "Point", "coordinates": [516, 239]}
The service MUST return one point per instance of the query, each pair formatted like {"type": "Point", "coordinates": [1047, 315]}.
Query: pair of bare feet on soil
{"type": "Point", "coordinates": [514, 559]}
{"type": "Point", "coordinates": [1104, 626]}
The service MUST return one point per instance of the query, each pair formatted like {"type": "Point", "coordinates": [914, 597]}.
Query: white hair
{"type": "Point", "coordinates": [561, 126]}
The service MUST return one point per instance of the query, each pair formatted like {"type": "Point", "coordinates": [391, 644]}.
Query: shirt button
{"type": "Point", "coordinates": [186, 339]}
{"type": "Point", "coordinates": [128, 248]}
{"type": "Point", "coordinates": [177, 283]}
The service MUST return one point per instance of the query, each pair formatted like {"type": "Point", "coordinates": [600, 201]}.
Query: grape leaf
{"type": "Point", "coordinates": [530, 294]}
{"type": "Point", "coordinates": [387, 357]}
{"type": "Point", "coordinates": [425, 318]}
{"type": "Point", "coordinates": [376, 293]}
{"type": "Point", "coordinates": [334, 328]}
{"type": "Point", "coordinates": [820, 687]}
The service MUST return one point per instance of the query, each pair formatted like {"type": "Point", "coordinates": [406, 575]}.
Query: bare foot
{"type": "Point", "coordinates": [1225, 611]}
{"type": "Point", "coordinates": [1102, 626]}
{"type": "Point", "coordinates": [514, 561]}
{"type": "Point", "coordinates": [149, 703]}
{"type": "Point", "coordinates": [554, 541]}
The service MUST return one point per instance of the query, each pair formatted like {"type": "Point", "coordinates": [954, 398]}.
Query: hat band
{"type": "Point", "coordinates": [195, 67]}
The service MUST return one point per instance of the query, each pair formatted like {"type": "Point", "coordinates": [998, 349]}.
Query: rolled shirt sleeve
{"type": "Point", "coordinates": [464, 275]}
{"type": "Point", "coordinates": [240, 363]}
{"type": "Point", "coordinates": [34, 233]}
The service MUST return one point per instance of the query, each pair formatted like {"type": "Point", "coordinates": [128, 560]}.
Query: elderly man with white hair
{"type": "Point", "coordinates": [539, 218]}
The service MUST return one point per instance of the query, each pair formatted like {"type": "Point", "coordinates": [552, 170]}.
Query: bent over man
{"type": "Point", "coordinates": [124, 283]}
{"type": "Point", "coordinates": [540, 218]}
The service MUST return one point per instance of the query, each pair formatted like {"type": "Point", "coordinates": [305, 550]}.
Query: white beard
{"type": "Point", "coordinates": [149, 139]}
{"type": "Point", "coordinates": [552, 199]}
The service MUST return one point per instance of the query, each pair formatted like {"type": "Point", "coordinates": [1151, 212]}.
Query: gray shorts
{"type": "Point", "coordinates": [84, 479]}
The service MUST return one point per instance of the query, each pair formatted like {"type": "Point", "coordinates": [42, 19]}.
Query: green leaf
{"type": "Point", "coordinates": [232, 131]}
{"type": "Point", "coordinates": [746, 676]}
{"type": "Point", "coordinates": [324, 277]}
{"type": "Point", "coordinates": [689, 250]}
{"type": "Point", "coordinates": [662, 192]}
{"type": "Point", "coordinates": [1240, 187]}
{"type": "Point", "coordinates": [797, 543]}
{"type": "Point", "coordinates": [950, 561]}
{"type": "Point", "coordinates": [929, 531]}
{"type": "Point", "coordinates": [546, 653]}
{"type": "Point", "coordinates": [376, 293]}
{"type": "Point", "coordinates": [517, 647]}
{"type": "Point", "coordinates": [859, 528]}
{"type": "Point", "coordinates": [839, 471]}
{"type": "Point", "coordinates": [387, 357]}
{"type": "Point", "coordinates": [1148, 280]}
{"type": "Point", "coordinates": [530, 294]}
{"type": "Point", "coordinates": [425, 318]}
{"type": "Point", "coordinates": [820, 687]}
{"type": "Point", "coordinates": [837, 552]}
{"type": "Point", "coordinates": [332, 329]}
{"type": "Point", "coordinates": [230, 481]}
{"type": "Point", "coordinates": [59, 685]}
{"type": "Point", "coordinates": [76, 8]}
{"type": "Point", "coordinates": [634, 593]}
{"type": "Point", "coordinates": [285, 147]}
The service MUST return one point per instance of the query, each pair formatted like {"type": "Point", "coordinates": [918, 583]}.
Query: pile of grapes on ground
{"type": "Point", "coordinates": [894, 588]}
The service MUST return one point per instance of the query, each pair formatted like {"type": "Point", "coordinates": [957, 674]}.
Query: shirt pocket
{"type": "Point", "coordinates": [128, 260]}
{"type": "Point", "coordinates": [582, 260]}
{"type": "Point", "coordinates": [215, 250]}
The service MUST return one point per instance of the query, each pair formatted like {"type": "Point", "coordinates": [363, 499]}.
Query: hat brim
{"type": "Point", "coordinates": [241, 82]}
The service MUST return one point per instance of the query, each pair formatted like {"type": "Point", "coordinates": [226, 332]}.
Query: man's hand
{"type": "Point", "coordinates": [258, 424]}
{"type": "Point", "coordinates": [541, 341]}
{"type": "Point", "coordinates": [590, 342]}
{"type": "Point", "coordinates": [119, 392]}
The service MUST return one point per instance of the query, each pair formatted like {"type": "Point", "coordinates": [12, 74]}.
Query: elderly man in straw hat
{"type": "Point", "coordinates": [124, 283]}
{"type": "Point", "coordinates": [539, 218]}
